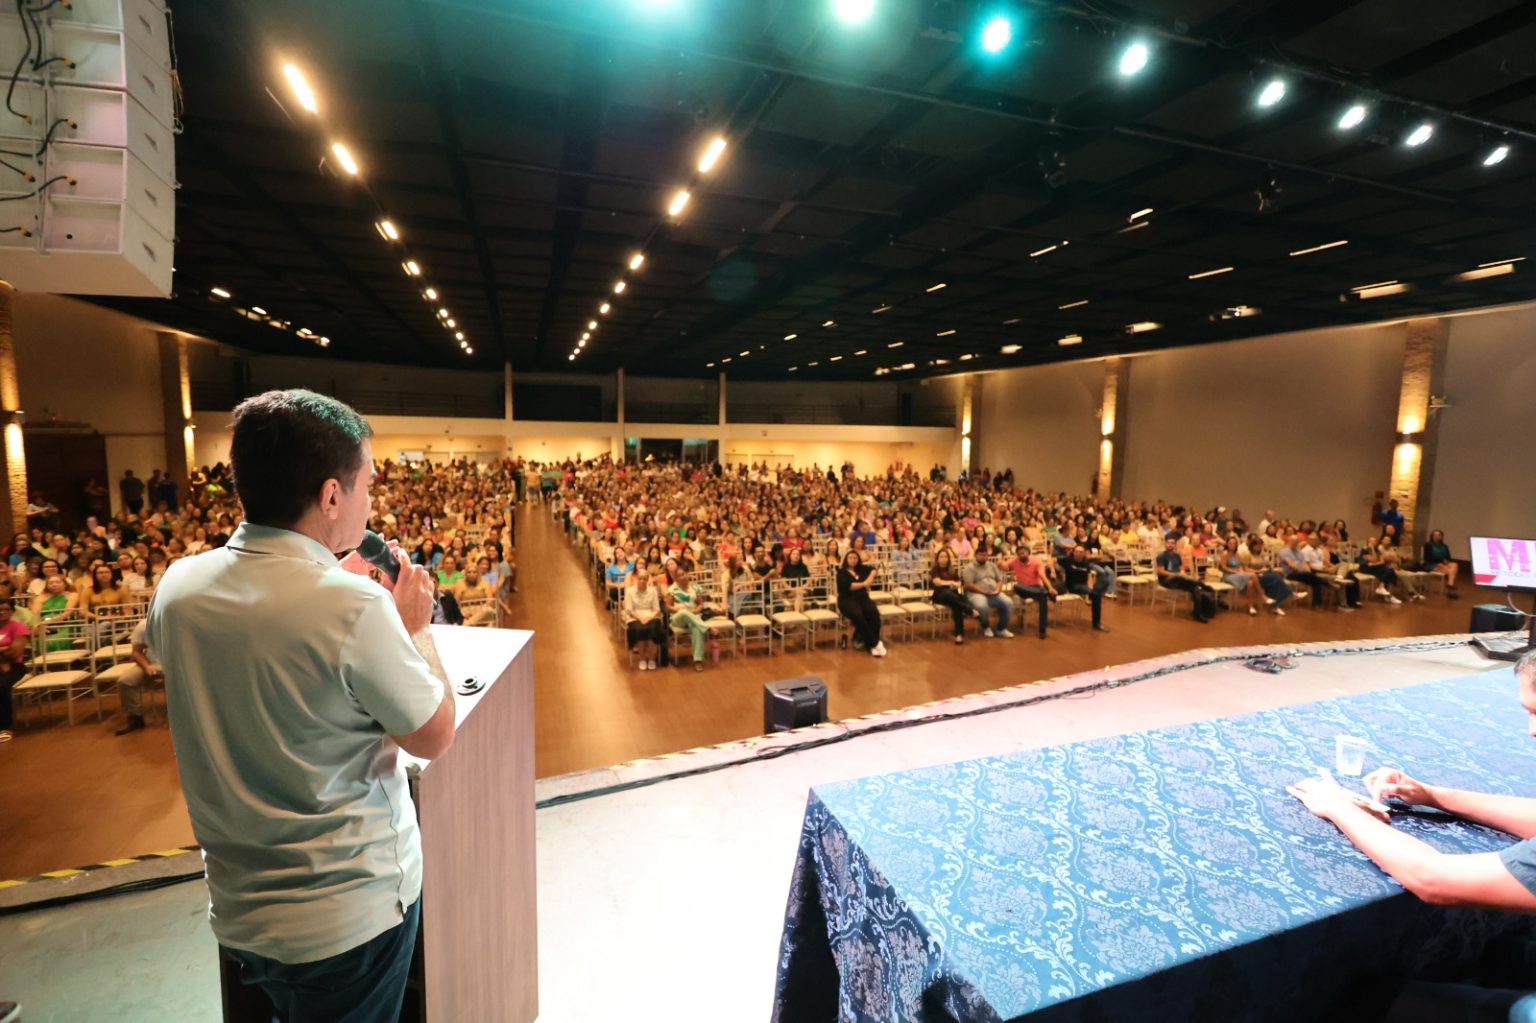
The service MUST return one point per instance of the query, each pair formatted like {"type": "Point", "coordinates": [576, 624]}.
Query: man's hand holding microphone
{"type": "Point", "coordinates": [411, 585]}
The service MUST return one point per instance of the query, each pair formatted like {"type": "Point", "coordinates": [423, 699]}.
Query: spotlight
{"type": "Point", "coordinates": [603, 309]}
{"type": "Point", "coordinates": [1134, 58]}
{"type": "Point", "coordinates": [678, 202]}
{"type": "Point", "coordinates": [469, 351]}
{"type": "Point", "coordinates": [996, 36]}
{"type": "Point", "coordinates": [344, 157]}
{"type": "Point", "coordinates": [1419, 135]}
{"type": "Point", "coordinates": [591, 324]}
{"type": "Point", "coordinates": [388, 229]}
{"type": "Point", "coordinates": [1497, 156]}
{"type": "Point", "coordinates": [301, 89]}
{"type": "Point", "coordinates": [637, 261]}
{"type": "Point", "coordinates": [711, 155]}
{"type": "Point", "coordinates": [1352, 117]}
{"type": "Point", "coordinates": [220, 292]}
{"type": "Point", "coordinates": [1267, 191]}
{"type": "Point", "coordinates": [571, 357]}
{"type": "Point", "coordinates": [1272, 93]}
{"type": "Point", "coordinates": [450, 323]}
{"type": "Point", "coordinates": [618, 289]}
{"type": "Point", "coordinates": [853, 12]}
{"type": "Point", "coordinates": [430, 294]}
{"type": "Point", "coordinates": [411, 268]}
{"type": "Point", "coordinates": [458, 335]}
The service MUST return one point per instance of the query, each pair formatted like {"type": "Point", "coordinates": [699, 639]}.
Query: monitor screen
{"type": "Point", "coordinates": [1504, 563]}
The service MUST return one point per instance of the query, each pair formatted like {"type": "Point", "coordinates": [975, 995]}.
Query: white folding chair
{"type": "Point", "coordinates": [60, 665]}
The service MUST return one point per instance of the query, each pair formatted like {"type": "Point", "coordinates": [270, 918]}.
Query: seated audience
{"type": "Point", "coordinates": [643, 625]}
{"type": "Point", "coordinates": [685, 602]}
{"type": "Point", "coordinates": [984, 589]}
{"type": "Point", "coordinates": [853, 582]}
{"type": "Point", "coordinates": [1175, 573]}
{"type": "Point", "coordinates": [949, 592]}
{"type": "Point", "coordinates": [130, 684]}
{"type": "Point", "coordinates": [1437, 558]}
{"type": "Point", "coordinates": [1032, 583]}
{"type": "Point", "coordinates": [1082, 578]}
{"type": "Point", "coordinates": [14, 640]}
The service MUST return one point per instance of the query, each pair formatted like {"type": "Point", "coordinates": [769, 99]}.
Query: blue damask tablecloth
{"type": "Point", "coordinates": [1157, 875]}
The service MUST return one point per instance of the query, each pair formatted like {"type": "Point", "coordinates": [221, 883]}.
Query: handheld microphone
{"type": "Point", "coordinates": [376, 552]}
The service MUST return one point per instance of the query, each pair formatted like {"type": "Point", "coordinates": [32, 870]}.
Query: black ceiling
{"type": "Point", "coordinates": [527, 148]}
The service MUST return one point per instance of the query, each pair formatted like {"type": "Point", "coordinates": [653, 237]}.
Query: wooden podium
{"type": "Point", "coordinates": [477, 956]}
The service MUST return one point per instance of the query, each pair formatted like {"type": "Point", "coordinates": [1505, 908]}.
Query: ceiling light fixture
{"type": "Point", "coordinates": [450, 323]}
{"type": "Point", "coordinates": [882, 309]}
{"type": "Point", "coordinates": [458, 335]}
{"type": "Point", "coordinates": [996, 36]}
{"type": "Point", "coordinates": [258, 310]}
{"type": "Point", "coordinates": [1497, 270]}
{"type": "Point", "coordinates": [1073, 305]}
{"type": "Point", "coordinates": [1320, 248]}
{"type": "Point", "coordinates": [637, 261]}
{"type": "Point", "coordinates": [1041, 252]}
{"type": "Point", "coordinates": [711, 155]}
{"type": "Point", "coordinates": [945, 333]}
{"type": "Point", "coordinates": [862, 351]}
{"type": "Point", "coordinates": [1501, 262]}
{"type": "Point", "coordinates": [469, 351]}
{"type": "Point", "coordinates": [388, 229]}
{"type": "Point", "coordinates": [325, 342]}
{"type": "Point", "coordinates": [836, 358]}
{"type": "Point", "coordinates": [678, 202]}
{"type": "Point", "coordinates": [1071, 339]}
{"type": "Point", "coordinates": [853, 12]}
{"type": "Point", "coordinates": [1211, 273]}
{"type": "Point", "coordinates": [1420, 135]}
{"type": "Point", "coordinates": [442, 314]}
{"type": "Point", "coordinates": [967, 357]}
{"type": "Point", "coordinates": [1272, 93]}
{"type": "Point", "coordinates": [1134, 58]}
{"type": "Point", "coordinates": [895, 344]}
{"type": "Point", "coordinates": [1352, 117]}
{"type": "Point", "coordinates": [1011, 322]}
{"type": "Point", "coordinates": [790, 337]}
{"type": "Point", "coordinates": [344, 157]}
{"type": "Point", "coordinates": [603, 309]}
{"type": "Point", "coordinates": [411, 267]}
{"type": "Point", "coordinates": [301, 90]}
{"type": "Point", "coordinates": [618, 289]}
{"type": "Point", "coordinates": [220, 292]}
{"type": "Point", "coordinates": [1380, 290]}
{"type": "Point", "coordinates": [584, 336]}
{"type": "Point", "coordinates": [1010, 349]}
{"type": "Point", "coordinates": [1144, 212]}
{"type": "Point", "coordinates": [591, 324]}
{"type": "Point", "coordinates": [937, 287]}
{"type": "Point", "coordinates": [830, 323]}
{"type": "Point", "coordinates": [430, 294]}
{"type": "Point", "coordinates": [1496, 156]}
{"type": "Point", "coordinates": [1143, 326]}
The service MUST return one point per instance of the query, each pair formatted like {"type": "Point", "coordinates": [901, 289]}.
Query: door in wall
{"type": "Point", "coordinates": [59, 467]}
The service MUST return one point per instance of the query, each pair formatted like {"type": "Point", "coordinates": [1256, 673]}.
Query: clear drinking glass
{"type": "Point", "coordinates": [1349, 755]}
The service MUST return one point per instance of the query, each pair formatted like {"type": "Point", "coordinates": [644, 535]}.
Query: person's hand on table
{"type": "Point", "coordinates": [1323, 796]}
{"type": "Point", "coordinates": [1386, 783]}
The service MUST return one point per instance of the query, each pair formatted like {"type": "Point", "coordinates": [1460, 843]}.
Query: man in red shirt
{"type": "Point", "coordinates": [1032, 583]}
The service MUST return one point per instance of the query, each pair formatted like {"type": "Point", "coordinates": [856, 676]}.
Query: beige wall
{"type": "Point", "coordinates": [868, 457]}
{"type": "Point", "coordinates": [1043, 423]}
{"type": "Point", "coordinates": [1485, 469]}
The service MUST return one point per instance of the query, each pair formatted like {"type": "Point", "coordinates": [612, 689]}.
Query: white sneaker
{"type": "Point", "coordinates": [6, 736]}
{"type": "Point", "coordinates": [1381, 591]}
{"type": "Point", "coordinates": [1253, 610]}
{"type": "Point", "coordinates": [1393, 600]}
{"type": "Point", "coordinates": [1269, 601]}
{"type": "Point", "coordinates": [879, 650]}
{"type": "Point", "coordinates": [1279, 611]}
{"type": "Point", "coordinates": [1004, 634]}
{"type": "Point", "coordinates": [645, 665]}
{"type": "Point", "coordinates": [987, 633]}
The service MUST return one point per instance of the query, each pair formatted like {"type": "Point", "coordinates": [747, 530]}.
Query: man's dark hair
{"type": "Point", "coordinates": [286, 445]}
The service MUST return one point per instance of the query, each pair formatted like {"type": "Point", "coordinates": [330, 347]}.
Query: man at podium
{"type": "Point", "coordinates": [290, 683]}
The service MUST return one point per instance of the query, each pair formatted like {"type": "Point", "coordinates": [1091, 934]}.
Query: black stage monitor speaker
{"type": "Point", "coordinates": [1495, 618]}
{"type": "Point", "coordinates": [794, 703]}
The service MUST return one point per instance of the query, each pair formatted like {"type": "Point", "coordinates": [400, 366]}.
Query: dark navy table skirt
{"type": "Point", "coordinates": [1159, 875]}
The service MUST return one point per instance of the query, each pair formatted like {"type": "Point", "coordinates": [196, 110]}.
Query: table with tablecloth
{"type": "Point", "coordinates": [1163, 874]}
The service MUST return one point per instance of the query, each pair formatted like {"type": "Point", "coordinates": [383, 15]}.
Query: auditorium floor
{"type": "Point", "coordinates": [75, 796]}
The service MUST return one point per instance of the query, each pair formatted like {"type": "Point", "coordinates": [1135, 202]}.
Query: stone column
{"type": "Point", "coordinates": [970, 405]}
{"type": "Point", "coordinates": [1413, 453]}
{"type": "Point", "coordinates": [176, 401]}
{"type": "Point", "coordinates": [1111, 433]}
{"type": "Point", "coordinates": [13, 496]}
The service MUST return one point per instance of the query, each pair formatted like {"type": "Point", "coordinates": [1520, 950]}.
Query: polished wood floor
{"type": "Point", "coordinates": [80, 795]}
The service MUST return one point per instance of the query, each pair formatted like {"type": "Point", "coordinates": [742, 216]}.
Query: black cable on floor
{"type": "Point", "coordinates": [148, 884]}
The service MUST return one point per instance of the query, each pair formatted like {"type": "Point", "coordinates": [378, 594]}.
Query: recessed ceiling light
{"type": "Point", "coordinates": [790, 337]}
{"type": "Point", "coordinates": [1010, 349]}
{"type": "Point", "coordinates": [637, 261]}
{"type": "Point", "coordinates": [1016, 319]}
{"type": "Point", "coordinates": [895, 344]}
{"type": "Point", "coordinates": [709, 365]}
{"type": "Point", "coordinates": [1352, 117]}
{"type": "Point", "coordinates": [469, 351]}
{"type": "Point", "coordinates": [1134, 58]}
{"type": "Point", "coordinates": [458, 336]}
{"type": "Point", "coordinates": [388, 229]}
{"type": "Point", "coordinates": [1272, 93]}
{"type": "Point", "coordinates": [1420, 135]}
{"type": "Point", "coordinates": [939, 362]}
{"type": "Point", "coordinates": [1073, 305]}
{"type": "Point", "coordinates": [945, 333]}
{"type": "Point", "coordinates": [344, 157]}
{"type": "Point", "coordinates": [618, 289]}
{"type": "Point", "coordinates": [836, 358]}
{"type": "Point", "coordinates": [830, 323]}
{"type": "Point", "coordinates": [325, 342]}
{"type": "Point", "coordinates": [967, 357]}
{"type": "Point", "coordinates": [862, 351]}
{"type": "Point", "coordinates": [1320, 248]}
{"type": "Point", "coordinates": [301, 90]}
{"type": "Point", "coordinates": [585, 336]}
{"type": "Point", "coordinates": [1041, 252]}
{"type": "Point", "coordinates": [1070, 339]}
{"type": "Point", "coordinates": [725, 360]}
{"type": "Point", "coordinates": [1146, 211]}
{"type": "Point", "coordinates": [938, 287]}
{"type": "Point", "coordinates": [258, 310]}
{"type": "Point", "coordinates": [746, 353]}
{"type": "Point", "coordinates": [1498, 269]}
{"type": "Point", "coordinates": [220, 292]}
{"type": "Point", "coordinates": [1496, 156]}
{"type": "Point", "coordinates": [603, 309]}
{"type": "Point", "coordinates": [997, 34]}
{"type": "Point", "coordinates": [1211, 273]}
{"type": "Point", "coordinates": [813, 364]}
{"type": "Point", "coordinates": [1142, 326]}
{"type": "Point", "coordinates": [711, 155]}
{"type": "Point", "coordinates": [853, 12]}
{"type": "Point", "coordinates": [571, 357]}
{"type": "Point", "coordinates": [442, 314]}
{"type": "Point", "coordinates": [591, 324]}
{"type": "Point", "coordinates": [678, 202]}
{"type": "Point", "coordinates": [882, 309]}
{"type": "Point", "coordinates": [430, 294]}
{"type": "Point", "coordinates": [411, 267]}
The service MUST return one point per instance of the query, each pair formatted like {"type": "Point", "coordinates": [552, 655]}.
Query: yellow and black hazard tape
{"type": "Point", "coordinates": [54, 875]}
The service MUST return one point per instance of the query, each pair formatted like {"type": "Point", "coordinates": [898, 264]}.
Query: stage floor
{"type": "Point", "coordinates": [670, 896]}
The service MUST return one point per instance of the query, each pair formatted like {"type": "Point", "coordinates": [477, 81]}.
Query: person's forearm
{"type": "Point", "coordinates": [1513, 814]}
{"type": "Point", "coordinates": [1407, 859]}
